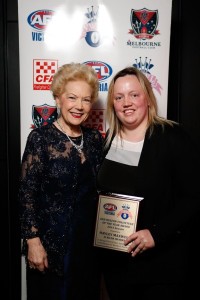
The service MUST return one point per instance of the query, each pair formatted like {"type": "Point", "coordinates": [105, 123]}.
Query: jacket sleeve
{"type": "Point", "coordinates": [184, 204]}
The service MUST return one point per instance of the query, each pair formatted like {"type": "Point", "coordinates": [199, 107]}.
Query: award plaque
{"type": "Point", "coordinates": [116, 220]}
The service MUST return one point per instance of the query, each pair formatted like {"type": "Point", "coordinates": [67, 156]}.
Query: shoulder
{"type": "Point", "coordinates": [174, 129]}
{"type": "Point", "coordinates": [40, 132]}
{"type": "Point", "coordinates": [92, 133]}
{"type": "Point", "coordinates": [174, 135]}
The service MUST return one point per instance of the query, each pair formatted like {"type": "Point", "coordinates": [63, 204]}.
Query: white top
{"type": "Point", "coordinates": [125, 152]}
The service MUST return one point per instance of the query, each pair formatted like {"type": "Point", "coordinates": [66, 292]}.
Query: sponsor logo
{"type": "Point", "coordinates": [39, 20]}
{"type": "Point", "coordinates": [42, 115]}
{"type": "Point", "coordinates": [145, 66]}
{"type": "Point", "coordinates": [144, 24]}
{"type": "Point", "coordinates": [103, 70]}
{"type": "Point", "coordinates": [110, 207]}
{"type": "Point", "coordinates": [94, 31]}
{"type": "Point", "coordinates": [97, 120]}
{"type": "Point", "coordinates": [43, 71]}
{"type": "Point", "coordinates": [124, 213]}
{"type": "Point", "coordinates": [90, 32]}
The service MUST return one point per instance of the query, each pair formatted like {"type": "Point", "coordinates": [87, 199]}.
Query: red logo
{"type": "Point", "coordinates": [110, 207]}
{"type": "Point", "coordinates": [97, 120]}
{"type": "Point", "coordinates": [43, 71]}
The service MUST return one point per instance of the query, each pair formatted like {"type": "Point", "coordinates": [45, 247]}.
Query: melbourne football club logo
{"type": "Point", "coordinates": [44, 114]}
{"type": "Point", "coordinates": [144, 23]}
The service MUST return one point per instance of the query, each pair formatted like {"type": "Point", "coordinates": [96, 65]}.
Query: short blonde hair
{"type": "Point", "coordinates": [74, 72]}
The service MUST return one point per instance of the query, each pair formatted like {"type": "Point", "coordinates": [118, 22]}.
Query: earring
{"type": "Point", "coordinates": [58, 111]}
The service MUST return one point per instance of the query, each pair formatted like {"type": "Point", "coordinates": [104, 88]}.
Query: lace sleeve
{"type": "Point", "coordinates": [30, 180]}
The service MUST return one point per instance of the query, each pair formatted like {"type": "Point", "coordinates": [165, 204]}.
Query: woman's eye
{"type": "Point", "coordinates": [118, 98]}
{"type": "Point", "coordinates": [87, 100]}
{"type": "Point", "coordinates": [134, 95]}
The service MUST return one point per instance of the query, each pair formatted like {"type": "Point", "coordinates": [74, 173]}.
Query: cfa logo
{"type": "Point", "coordinates": [43, 72]}
{"type": "Point", "coordinates": [39, 19]}
{"type": "Point", "coordinates": [103, 70]}
{"type": "Point", "coordinates": [44, 78]}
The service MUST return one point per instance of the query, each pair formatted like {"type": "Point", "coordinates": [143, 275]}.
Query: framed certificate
{"type": "Point", "coordinates": [116, 220]}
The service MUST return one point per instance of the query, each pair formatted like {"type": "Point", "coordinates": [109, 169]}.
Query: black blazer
{"type": "Point", "coordinates": [167, 178]}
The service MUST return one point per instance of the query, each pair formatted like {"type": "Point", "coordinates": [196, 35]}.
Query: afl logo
{"type": "Point", "coordinates": [103, 70]}
{"type": "Point", "coordinates": [110, 207]}
{"type": "Point", "coordinates": [39, 19]}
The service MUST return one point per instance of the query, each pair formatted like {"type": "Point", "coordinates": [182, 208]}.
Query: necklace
{"type": "Point", "coordinates": [78, 147]}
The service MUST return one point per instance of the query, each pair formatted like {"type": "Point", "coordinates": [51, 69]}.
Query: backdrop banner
{"type": "Point", "coordinates": [107, 35]}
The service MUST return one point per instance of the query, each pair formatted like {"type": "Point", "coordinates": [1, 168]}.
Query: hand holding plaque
{"type": "Point", "coordinates": [116, 220]}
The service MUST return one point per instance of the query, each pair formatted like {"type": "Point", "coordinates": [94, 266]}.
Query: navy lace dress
{"type": "Point", "coordinates": [58, 197]}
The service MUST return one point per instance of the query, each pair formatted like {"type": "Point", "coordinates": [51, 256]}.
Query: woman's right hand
{"type": "Point", "coordinates": [139, 242]}
{"type": "Point", "coordinates": [37, 256]}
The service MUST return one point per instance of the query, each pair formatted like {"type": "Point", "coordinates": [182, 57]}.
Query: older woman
{"type": "Point", "coordinates": [58, 194]}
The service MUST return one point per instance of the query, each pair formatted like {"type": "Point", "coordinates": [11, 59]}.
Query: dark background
{"type": "Point", "coordinates": [183, 106]}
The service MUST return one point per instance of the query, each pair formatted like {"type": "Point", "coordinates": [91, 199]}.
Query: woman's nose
{"type": "Point", "coordinates": [127, 100]}
{"type": "Point", "coordinates": [79, 103]}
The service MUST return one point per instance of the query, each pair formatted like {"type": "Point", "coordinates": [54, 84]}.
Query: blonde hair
{"type": "Point", "coordinates": [74, 72]}
{"type": "Point", "coordinates": [115, 124]}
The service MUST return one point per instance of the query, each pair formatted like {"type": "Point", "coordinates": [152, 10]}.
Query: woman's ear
{"type": "Point", "coordinates": [57, 102]}
{"type": "Point", "coordinates": [58, 105]}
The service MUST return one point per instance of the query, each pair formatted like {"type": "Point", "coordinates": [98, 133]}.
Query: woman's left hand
{"type": "Point", "coordinates": [139, 242]}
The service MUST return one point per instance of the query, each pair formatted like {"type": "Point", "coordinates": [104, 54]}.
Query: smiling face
{"type": "Point", "coordinates": [130, 102]}
{"type": "Point", "coordinates": [75, 103]}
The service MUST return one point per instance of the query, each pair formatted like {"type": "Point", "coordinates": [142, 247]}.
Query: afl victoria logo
{"type": "Point", "coordinates": [39, 19]}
